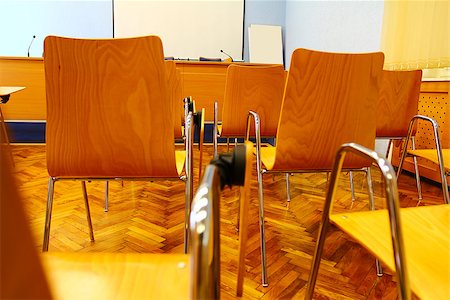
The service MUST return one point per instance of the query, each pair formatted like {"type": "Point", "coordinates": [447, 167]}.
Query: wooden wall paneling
{"type": "Point", "coordinates": [28, 72]}
{"type": "Point", "coordinates": [434, 102]}
{"type": "Point", "coordinates": [205, 82]}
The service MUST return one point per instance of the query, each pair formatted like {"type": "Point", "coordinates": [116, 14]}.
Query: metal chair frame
{"type": "Point", "coordinates": [394, 216]}
{"type": "Point", "coordinates": [437, 139]}
{"type": "Point", "coordinates": [187, 178]}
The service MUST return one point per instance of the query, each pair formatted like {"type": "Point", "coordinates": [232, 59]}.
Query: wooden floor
{"type": "Point", "coordinates": [148, 217]}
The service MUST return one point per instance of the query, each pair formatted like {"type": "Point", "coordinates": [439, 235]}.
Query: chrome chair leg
{"type": "Point", "coordinates": [259, 172]}
{"type": "Point", "coordinates": [352, 185]}
{"type": "Point", "coordinates": [288, 188]}
{"type": "Point", "coordinates": [372, 207]}
{"type": "Point", "coordinates": [88, 211]}
{"type": "Point", "coordinates": [324, 225]}
{"type": "Point", "coordinates": [440, 157]}
{"type": "Point", "coordinates": [416, 169]}
{"type": "Point", "coordinates": [48, 214]}
{"type": "Point", "coordinates": [189, 169]}
{"type": "Point", "coordinates": [215, 129]}
{"type": "Point", "coordinates": [107, 195]}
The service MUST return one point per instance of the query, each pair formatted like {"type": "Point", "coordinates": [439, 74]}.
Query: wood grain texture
{"type": "Point", "coordinates": [148, 217]}
{"type": "Point", "coordinates": [27, 72]}
{"type": "Point", "coordinates": [244, 203]}
{"type": "Point", "coordinates": [256, 88]}
{"type": "Point", "coordinates": [117, 275]}
{"type": "Point", "coordinates": [397, 102]}
{"type": "Point", "coordinates": [426, 241]}
{"type": "Point", "coordinates": [330, 99]}
{"type": "Point", "coordinates": [175, 91]}
{"type": "Point", "coordinates": [431, 154]}
{"type": "Point", "coordinates": [434, 102]}
{"type": "Point", "coordinates": [21, 274]}
{"type": "Point", "coordinates": [107, 112]}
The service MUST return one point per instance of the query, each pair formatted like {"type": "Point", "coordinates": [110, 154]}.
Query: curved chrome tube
{"type": "Point", "coordinates": [394, 216]}
{"type": "Point", "coordinates": [204, 227]}
{"type": "Point", "coordinates": [189, 170]}
{"type": "Point", "coordinates": [440, 157]}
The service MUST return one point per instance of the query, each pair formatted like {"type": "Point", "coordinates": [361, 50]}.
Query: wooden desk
{"type": "Point", "coordinates": [29, 72]}
{"type": "Point", "coordinates": [5, 93]}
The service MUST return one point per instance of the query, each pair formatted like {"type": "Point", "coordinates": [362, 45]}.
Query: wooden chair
{"type": "Point", "coordinates": [176, 98]}
{"type": "Point", "coordinates": [398, 102]}
{"type": "Point", "coordinates": [330, 99]}
{"type": "Point", "coordinates": [250, 88]}
{"type": "Point", "coordinates": [175, 88]}
{"type": "Point", "coordinates": [108, 118]}
{"type": "Point", "coordinates": [27, 275]}
{"type": "Point", "coordinates": [439, 156]}
{"type": "Point", "coordinates": [414, 242]}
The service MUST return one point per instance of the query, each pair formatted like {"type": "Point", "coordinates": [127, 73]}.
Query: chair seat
{"type": "Point", "coordinates": [426, 238]}
{"type": "Point", "coordinates": [268, 156]}
{"type": "Point", "coordinates": [117, 275]}
{"type": "Point", "coordinates": [180, 157]}
{"type": "Point", "coordinates": [431, 154]}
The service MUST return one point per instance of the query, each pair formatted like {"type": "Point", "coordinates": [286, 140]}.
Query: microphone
{"type": "Point", "coordinates": [31, 43]}
{"type": "Point", "coordinates": [227, 55]}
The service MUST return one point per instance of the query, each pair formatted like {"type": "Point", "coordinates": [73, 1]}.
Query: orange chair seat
{"type": "Point", "coordinates": [117, 275]}
{"type": "Point", "coordinates": [426, 239]}
{"type": "Point", "coordinates": [431, 154]}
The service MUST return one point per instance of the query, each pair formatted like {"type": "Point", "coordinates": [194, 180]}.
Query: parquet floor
{"type": "Point", "coordinates": [148, 217]}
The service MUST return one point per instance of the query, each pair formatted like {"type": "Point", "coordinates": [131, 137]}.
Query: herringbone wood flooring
{"type": "Point", "coordinates": [148, 217]}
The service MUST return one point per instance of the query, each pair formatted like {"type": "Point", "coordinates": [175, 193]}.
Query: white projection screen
{"type": "Point", "coordinates": [188, 28]}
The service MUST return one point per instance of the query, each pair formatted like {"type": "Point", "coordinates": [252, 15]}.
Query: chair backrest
{"type": "Point", "coordinates": [175, 91]}
{"type": "Point", "coordinates": [22, 275]}
{"type": "Point", "coordinates": [398, 102]}
{"type": "Point", "coordinates": [107, 112]}
{"type": "Point", "coordinates": [330, 99]}
{"type": "Point", "coordinates": [256, 88]}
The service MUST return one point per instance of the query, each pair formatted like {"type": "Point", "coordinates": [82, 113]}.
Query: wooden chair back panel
{"type": "Point", "coordinates": [174, 86]}
{"type": "Point", "coordinates": [22, 275]}
{"type": "Point", "coordinates": [330, 99]}
{"type": "Point", "coordinates": [107, 112]}
{"type": "Point", "coordinates": [397, 102]}
{"type": "Point", "coordinates": [254, 88]}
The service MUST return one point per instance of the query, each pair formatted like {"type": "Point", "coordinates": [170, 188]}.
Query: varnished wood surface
{"type": "Point", "coordinates": [147, 217]}
{"type": "Point", "coordinates": [397, 102]}
{"type": "Point", "coordinates": [244, 202]}
{"type": "Point", "coordinates": [30, 103]}
{"type": "Point", "coordinates": [175, 91]}
{"type": "Point", "coordinates": [331, 97]}
{"type": "Point", "coordinates": [252, 88]}
{"type": "Point", "coordinates": [107, 112]}
{"type": "Point", "coordinates": [426, 239]}
{"type": "Point", "coordinates": [434, 102]}
{"type": "Point", "coordinates": [21, 274]}
{"type": "Point", "coordinates": [205, 81]}
{"type": "Point", "coordinates": [117, 275]}
{"type": "Point", "coordinates": [431, 154]}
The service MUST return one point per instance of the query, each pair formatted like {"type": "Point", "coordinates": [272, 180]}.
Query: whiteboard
{"type": "Point", "coordinates": [265, 44]}
{"type": "Point", "coordinates": [188, 29]}
{"type": "Point", "coordinates": [22, 19]}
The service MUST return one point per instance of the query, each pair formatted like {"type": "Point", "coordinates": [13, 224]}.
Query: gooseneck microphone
{"type": "Point", "coordinates": [31, 43]}
{"type": "Point", "coordinates": [227, 55]}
